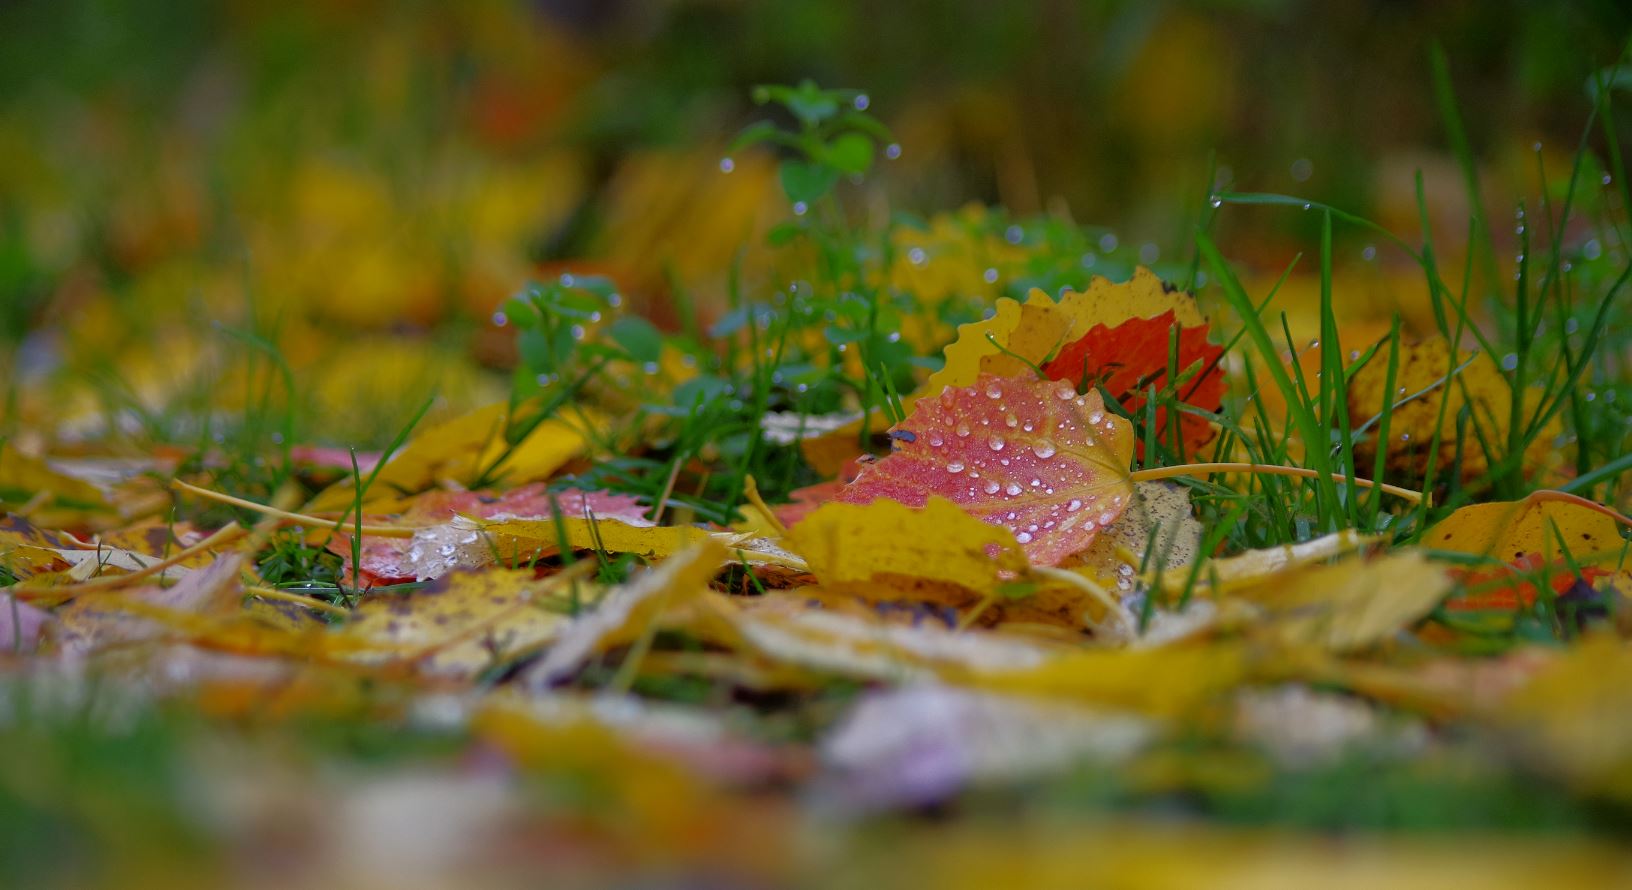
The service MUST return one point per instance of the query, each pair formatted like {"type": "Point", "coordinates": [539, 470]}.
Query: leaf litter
{"type": "Point", "coordinates": [983, 574]}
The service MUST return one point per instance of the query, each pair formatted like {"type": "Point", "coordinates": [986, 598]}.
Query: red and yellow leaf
{"type": "Point", "coordinates": [1029, 455]}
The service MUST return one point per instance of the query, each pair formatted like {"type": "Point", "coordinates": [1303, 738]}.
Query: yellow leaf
{"type": "Point", "coordinates": [25, 550]}
{"type": "Point", "coordinates": [1168, 681]}
{"type": "Point", "coordinates": [1479, 386]}
{"type": "Point", "coordinates": [461, 449]}
{"type": "Point", "coordinates": [781, 629]}
{"type": "Point", "coordinates": [1508, 531]}
{"type": "Point", "coordinates": [899, 551]}
{"type": "Point", "coordinates": [628, 610]}
{"type": "Point", "coordinates": [1575, 717]}
{"type": "Point", "coordinates": [50, 498]}
{"type": "Point", "coordinates": [1350, 605]}
{"type": "Point", "coordinates": [1255, 566]}
{"type": "Point", "coordinates": [458, 625]}
{"type": "Point", "coordinates": [609, 535]}
{"type": "Point", "coordinates": [1035, 329]}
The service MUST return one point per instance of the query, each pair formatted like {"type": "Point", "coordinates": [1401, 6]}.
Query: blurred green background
{"type": "Point", "coordinates": [389, 172]}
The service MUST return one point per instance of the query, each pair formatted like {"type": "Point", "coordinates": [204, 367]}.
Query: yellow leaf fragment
{"type": "Point", "coordinates": [871, 648]}
{"type": "Point", "coordinates": [1251, 567]}
{"type": "Point", "coordinates": [1351, 605]}
{"type": "Point", "coordinates": [458, 625]}
{"type": "Point", "coordinates": [628, 610]}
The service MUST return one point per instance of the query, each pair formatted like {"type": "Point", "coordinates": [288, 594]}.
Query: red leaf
{"type": "Point", "coordinates": [1029, 455]}
{"type": "Point", "coordinates": [1130, 357]}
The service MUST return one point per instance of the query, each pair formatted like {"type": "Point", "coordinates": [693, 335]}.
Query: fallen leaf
{"type": "Point", "coordinates": [1128, 358]}
{"type": "Point", "coordinates": [51, 498]}
{"type": "Point", "coordinates": [921, 744]}
{"type": "Point", "coordinates": [1575, 717]}
{"type": "Point", "coordinates": [460, 449]}
{"type": "Point", "coordinates": [26, 550]}
{"type": "Point", "coordinates": [1167, 682]}
{"type": "Point", "coordinates": [786, 631]}
{"type": "Point", "coordinates": [627, 611]}
{"type": "Point", "coordinates": [1251, 567]}
{"type": "Point", "coordinates": [1030, 455]}
{"type": "Point", "coordinates": [886, 549]}
{"type": "Point", "coordinates": [1037, 329]}
{"type": "Point", "coordinates": [1350, 605]}
{"type": "Point", "coordinates": [97, 620]}
{"type": "Point", "coordinates": [1017, 339]}
{"type": "Point", "coordinates": [1552, 532]}
{"type": "Point", "coordinates": [1480, 387]}
{"type": "Point", "coordinates": [1161, 518]}
{"type": "Point", "coordinates": [456, 626]}
{"type": "Point", "coordinates": [20, 625]}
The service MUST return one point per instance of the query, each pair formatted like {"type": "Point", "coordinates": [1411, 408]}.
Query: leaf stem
{"type": "Point", "coordinates": [1154, 473]}
{"type": "Point", "coordinates": [378, 531]}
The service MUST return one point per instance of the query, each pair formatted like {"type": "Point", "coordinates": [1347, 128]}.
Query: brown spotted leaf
{"type": "Point", "coordinates": [1029, 455]}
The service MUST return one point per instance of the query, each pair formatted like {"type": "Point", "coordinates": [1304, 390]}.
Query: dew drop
{"type": "Point", "coordinates": [935, 440]}
{"type": "Point", "coordinates": [1095, 417]}
{"type": "Point", "coordinates": [993, 391]}
{"type": "Point", "coordinates": [799, 208]}
{"type": "Point", "coordinates": [1011, 421]}
{"type": "Point", "coordinates": [954, 467]}
{"type": "Point", "coordinates": [917, 256]}
{"type": "Point", "coordinates": [1023, 537]}
{"type": "Point", "coordinates": [1074, 506]}
{"type": "Point", "coordinates": [1012, 489]}
{"type": "Point", "coordinates": [1043, 449]}
{"type": "Point", "coordinates": [727, 165]}
{"type": "Point", "coordinates": [1106, 518]}
{"type": "Point", "coordinates": [991, 486]}
{"type": "Point", "coordinates": [990, 276]}
{"type": "Point", "coordinates": [995, 443]}
{"type": "Point", "coordinates": [892, 151]}
{"type": "Point", "coordinates": [962, 430]}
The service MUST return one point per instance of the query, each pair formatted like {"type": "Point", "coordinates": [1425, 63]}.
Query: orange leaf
{"type": "Point", "coordinates": [1025, 454]}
